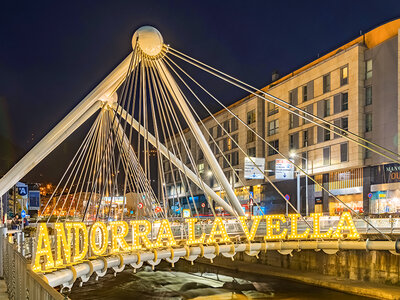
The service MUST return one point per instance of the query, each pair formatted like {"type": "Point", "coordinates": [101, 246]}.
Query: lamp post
{"type": "Point", "coordinates": [293, 155]}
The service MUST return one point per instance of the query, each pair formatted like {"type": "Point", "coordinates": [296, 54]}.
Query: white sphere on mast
{"type": "Point", "coordinates": [149, 40]}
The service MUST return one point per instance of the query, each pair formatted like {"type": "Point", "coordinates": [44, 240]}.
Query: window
{"type": "Point", "coordinates": [368, 95]}
{"type": "Point", "coordinates": [235, 158]}
{"type": "Point", "coordinates": [251, 152]}
{"type": "Point", "coordinates": [251, 136]}
{"type": "Point", "coordinates": [273, 127]}
{"type": "Point", "coordinates": [271, 168]}
{"type": "Point", "coordinates": [200, 168]}
{"type": "Point", "coordinates": [217, 149]}
{"type": "Point", "coordinates": [211, 131]}
{"type": "Point", "coordinates": [305, 138]}
{"type": "Point", "coordinates": [367, 153]}
{"type": "Point", "coordinates": [309, 109]}
{"type": "Point", "coordinates": [304, 157]}
{"type": "Point", "coordinates": [327, 133]}
{"type": "Point", "coordinates": [234, 124]}
{"type": "Point", "coordinates": [272, 109]}
{"type": "Point", "coordinates": [294, 141]}
{"type": "Point", "coordinates": [326, 82]}
{"type": "Point", "coordinates": [327, 108]}
{"type": "Point", "coordinates": [251, 116]}
{"type": "Point", "coordinates": [226, 126]}
{"type": "Point", "coordinates": [344, 153]}
{"type": "Point", "coordinates": [345, 101]}
{"type": "Point", "coordinates": [326, 156]}
{"type": "Point", "coordinates": [305, 92]}
{"type": "Point", "coordinates": [275, 144]}
{"type": "Point", "coordinates": [293, 120]}
{"type": "Point", "coordinates": [368, 122]}
{"type": "Point", "coordinates": [219, 131]}
{"type": "Point", "coordinates": [234, 138]}
{"type": "Point", "coordinates": [344, 123]}
{"type": "Point", "coordinates": [226, 160]}
{"type": "Point", "coordinates": [227, 143]}
{"type": "Point", "coordinates": [200, 154]}
{"type": "Point", "coordinates": [344, 76]}
{"type": "Point", "coordinates": [293, 97]}
{"type": "Point", "coordinates": [189, 144]}
{"type": "Point", "coordinates": [368, 69]}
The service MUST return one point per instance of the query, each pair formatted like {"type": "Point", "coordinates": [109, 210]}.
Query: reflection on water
{"type": "Point", "coordinates": [198, 282]}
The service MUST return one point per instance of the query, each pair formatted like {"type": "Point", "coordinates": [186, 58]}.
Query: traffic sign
{"type": "Point", "coordinates": [23, 214]}
{"type": "Point", "coordinates": [203, 205]}
{"type": "Point", "coordinates": [369, 195]}
{"type": "Point", "coordinates": [287, 197]}
{"type": "Point", "coordinates": [158, 209]}
{"type": "Point", "coordinates": [140, 205]}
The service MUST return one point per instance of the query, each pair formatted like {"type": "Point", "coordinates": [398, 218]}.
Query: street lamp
{"type": "Point", "coordinates": [293, 155]}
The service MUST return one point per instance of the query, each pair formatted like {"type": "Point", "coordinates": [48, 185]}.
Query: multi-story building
{"type": "Point", "coordinates": [355, 87]}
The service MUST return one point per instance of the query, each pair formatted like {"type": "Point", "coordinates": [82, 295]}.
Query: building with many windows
{"type": "Point", "coordinates": [355, 87]}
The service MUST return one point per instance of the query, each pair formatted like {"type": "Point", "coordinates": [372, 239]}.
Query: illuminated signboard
{"type": "Point", "coordinates": [74, 242]}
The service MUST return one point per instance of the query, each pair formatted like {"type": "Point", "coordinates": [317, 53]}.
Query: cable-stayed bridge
{"type": "Point", "coordinates": [142, 107]}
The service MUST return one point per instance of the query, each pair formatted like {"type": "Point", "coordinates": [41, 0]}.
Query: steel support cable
{"type": "Point", "coordinates": [164, 92]}
{"type": "Point", "coordinates": [162, 117]}
{"type": "Point", "coordinates": [294, 164]}
{"type": "Point", "coordinates": [72, 163]}
{"type": "Point", "coordinates": [89, 169]}
{"type": "Point", "coordinates": [157, 140]}
{"type": "Point", "coordinates": [156, 132]}
{"type": "Point", "coordinates": [122, 103]}
{"type": "Point", "coordinates": [200, 64]}
{"type": "Point", "coordinates": [85, 168]}
{"type": "Point", "coordinates": [75, 171]}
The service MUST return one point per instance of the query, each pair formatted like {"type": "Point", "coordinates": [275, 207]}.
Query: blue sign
{"type": "Point", "coordinates": [369, 195]}
{"type": "Point", "coordinates": [23, 214]}
{"type": "Point", "coordinates": [22, 191]}
{"type": "Point", "coordinates": [34, 200]}
{"type": "Point", "coordinates": [287, 197]}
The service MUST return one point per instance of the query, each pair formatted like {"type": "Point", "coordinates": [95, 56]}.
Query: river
{"type": "Point", "coordinates": [198, 281]}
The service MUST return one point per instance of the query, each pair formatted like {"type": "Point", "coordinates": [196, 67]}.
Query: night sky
{"type": "Point", "coordinates": [53, 53]}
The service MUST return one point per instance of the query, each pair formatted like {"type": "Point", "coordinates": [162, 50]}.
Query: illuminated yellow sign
{"type": "Point", "coordinates": [75, 242]}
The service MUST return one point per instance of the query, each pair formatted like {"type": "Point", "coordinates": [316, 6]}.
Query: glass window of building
{"type": "Point", "coordinates": [226, 126]}
{"type": "Point", "coordinates": [326, 83]}
{"type": "Point", "coordinates": [226, 160]}
{"type": "Point", "coordinates": [235, 158]}
{"type": "Point", "coordinates": [251, 136]}
{"type": "Point", "coordinates": [344, 152]}
{"type": "Point", "coordinates": [293, 120]}
{"type": "Point", "coordinates": [294, 141]}
{"type": "Point", "coordinates": [368, 122]}
{"type": "Point", "coordinates": [251, 116]}
{"type": "Point", "coordinates": [293, 97]}
{"type": "Point", "coordinates": [271, 168]}
{"type": "Point", "coordinates": [235, 139]}
{"type": "Point", "coordinates": [368, 69]}
{"type": "Point", "coordinates": [211, 132]}
{"type": "Point", "coordinates": [326, 156]}
{"type": "Point", "coordinates": [344, 124]}
{"type": "Point", "coordinates": [234, 124]}
{"type": "Point", "coordinates": [368, 95]}
{"type": "Point", "coordinates": [327, 107]}
{"type": "Point", "coordinates": [367, 153]}
{"type": "Point", "coordinates": [304, 157]}
{"type": "Point", "coordinates": [345, 101]}
{"type": "Point", "coordinates": [305, 93]}
{"type": "Point", "coordinates": [200, 168]}
{"type": "Point", "coordinates": [274, 144]}
{"type": "Point", "coordinates": [344, 76]}
{"type": "Point", "coordinates": [217, 149]}
{"type": "Point", "coordinates": [272, 109]}
{"type": "Point", "coordinates": [200, 154]}
{"type": "Point", "coordinates": [309, 109]}
{"type": "Point", "coordinates": [273, 127]}
{"type": "Point", "coordinates": [251, 152]}
{"type": "Point", "coordinates": [219, 131]}
{"type": "Point", "coordinates": [305, 138]}
{"type": "Point", "coordinates": [327, 133]}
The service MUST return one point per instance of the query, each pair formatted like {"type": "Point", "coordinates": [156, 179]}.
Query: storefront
{"type": "Point", "coordinates": [384, 197]}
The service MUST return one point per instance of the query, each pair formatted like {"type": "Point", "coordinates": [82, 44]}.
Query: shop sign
{"type": "Point", "coordinates": [385, 174]}
{"type": "Point", "coordinates": [75, 242]}
{"type": "Point", "coordinates": [284, 169]}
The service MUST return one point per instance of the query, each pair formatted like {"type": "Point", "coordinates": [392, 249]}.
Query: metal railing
{"type": "Point", "coordinates": [21, 281]}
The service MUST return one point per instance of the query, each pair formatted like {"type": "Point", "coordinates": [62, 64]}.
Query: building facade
{"type": "Point", "coordinates": [355, 87]}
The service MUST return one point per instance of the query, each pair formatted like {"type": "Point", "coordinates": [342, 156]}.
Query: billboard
{"type": "Point", "coordinates": [284, 169]}
{"type": "Point", "coordinates": [254, 167]}
{"type": "Point", "coordinates": [34, 200]}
